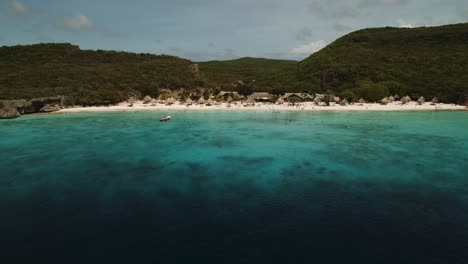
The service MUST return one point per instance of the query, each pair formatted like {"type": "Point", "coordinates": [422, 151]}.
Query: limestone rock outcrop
{"type": "Point", "coordinates": [15, 108]}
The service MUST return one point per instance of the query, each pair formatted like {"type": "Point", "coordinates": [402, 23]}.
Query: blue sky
{"type": "Point", "coordinates": [213, 29]}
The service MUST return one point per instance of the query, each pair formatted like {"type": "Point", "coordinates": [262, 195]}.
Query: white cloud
{"type": "Point", "coordinates": [310, 48]}
{"type": "Point", "coordinates": [18, 7]}
{"type": "Point", "coordinates": [79, 22]}
{"type": "Point", "coordinates": [403, 24]}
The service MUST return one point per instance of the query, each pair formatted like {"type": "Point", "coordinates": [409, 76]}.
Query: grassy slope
{"type": "Point", "coordinates": [429, 61]}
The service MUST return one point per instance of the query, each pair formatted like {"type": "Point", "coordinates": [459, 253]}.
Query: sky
{"type": "Point", "coordinates": [213, 29]}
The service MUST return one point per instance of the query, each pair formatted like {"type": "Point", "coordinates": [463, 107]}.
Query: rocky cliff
{"type": "Point", "coordinates": [15, 108]}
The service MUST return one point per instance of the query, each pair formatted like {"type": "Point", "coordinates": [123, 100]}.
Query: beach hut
{"type": "Point", "coordinates": [344, 102]}
{"type": "Point", "coordinates": [362, 101]}
{"type": "Point", "coordinates": [250, 101]}
{"type": "Point", "coordinates": [189, 101]}
{"type": "Point", "coordinates": [421, 100]}
{"type": "Point", "coordinates": [209, 102]}
{"type": "Point", "coordinates": [201, 100]}
{"type": "Point", "coordinates": [170, 101]}
{"type": "Point", "coordinates": [280, 101]}
{"type": "Point", "coordinates": [131, 101]}
{"type": "Point", "coordinates": [384, 101]}
{"type": "Point", "coordinates": [317, 100]}
{"type": "Point", "coordinates": [434, 101]}
{"type": "Point", "coordinates": [405, 99]}
{"type": "Point", "coordinates": [391, 99]}
{"type": "Point", "coordinates": [153, 102]}
{"type": "Point", "coordinates": [147, 99]}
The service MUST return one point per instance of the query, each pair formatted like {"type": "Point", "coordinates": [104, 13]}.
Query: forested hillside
{"type": "Point", "coordinates": [369, 63]}
{"type": "Point", "coordinates": [88, 77]}
{"type": "Point", "coordinates": [373, 63]}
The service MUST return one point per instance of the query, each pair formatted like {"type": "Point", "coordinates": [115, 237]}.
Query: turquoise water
{"type": "Point", "coordinates": [235, 187]}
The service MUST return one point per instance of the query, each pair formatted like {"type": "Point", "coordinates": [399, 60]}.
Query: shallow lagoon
{"type": "Point", "coordinates": [236, 187]}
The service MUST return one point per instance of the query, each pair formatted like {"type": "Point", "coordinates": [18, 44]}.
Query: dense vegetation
{"type": "Point", "coordinates": [261, 74]}
{"type": "Point", "coordinates": [369, 63]}
{"type": "Point", "coordinates": [88, 77]}
{"type": "Point", "coordinates": [374, 63]}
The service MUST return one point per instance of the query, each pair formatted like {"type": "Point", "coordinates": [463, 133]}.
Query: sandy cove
{"type": "Point", "coordinates": [306, 106]}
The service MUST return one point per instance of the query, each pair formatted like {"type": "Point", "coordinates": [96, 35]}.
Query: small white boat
{"type": "Point", "coordinates": [164, 119]}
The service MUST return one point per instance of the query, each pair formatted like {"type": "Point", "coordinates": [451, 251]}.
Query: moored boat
{"type": "Point", "coordinates": [164, 119]}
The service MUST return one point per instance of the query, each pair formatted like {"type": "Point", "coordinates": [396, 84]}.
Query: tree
{"type": "Point", "coordinates": [349, 95]}
{"type": "Point", "coordinates": [372, 91]}
{"type": "Point", "coordinates": [278, 91]}
{"type": "Point", "coordinates": [245, 90]}
{"type": "Point", "coordinates": [206, 94]}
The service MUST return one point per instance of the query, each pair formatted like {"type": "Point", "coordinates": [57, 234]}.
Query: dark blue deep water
{"type": "Point", "coordinates": [235, 187]}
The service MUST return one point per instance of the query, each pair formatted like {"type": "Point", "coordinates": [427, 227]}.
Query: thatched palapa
{"type": "Point", "coordinates": [421, 100]}
{"type": "Point", "coordinates": [384, 101]}
{"type": "Point", "coordinates": [317, 100]}
{"type": "Point", "coordinates": [280, 101]}
{"type": "Point", "coordinates": [147, 99]}
{"type": "Point", "coordinates": [344, 102]}
{"type": "Point", "coordinates": [250, 101]}
{"type": "Point", "coordinates": [201, 100]}
{"type": "Point", "coordinates": [171, 100]}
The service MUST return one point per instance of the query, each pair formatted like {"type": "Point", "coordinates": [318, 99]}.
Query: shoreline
{"type": "Point", "coordinates": [304, 107]}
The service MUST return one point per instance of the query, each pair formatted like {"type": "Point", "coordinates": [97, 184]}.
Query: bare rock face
{"type": "Point", "coordinates": [8, 111]}
{"type": "Point", "coordinates": [50, 108]}
{"type": "Point", "coordinates": [15, 108]}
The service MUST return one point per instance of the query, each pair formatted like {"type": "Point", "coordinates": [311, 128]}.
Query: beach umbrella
{"type": "Point", "coordinates": [405, 99]}
{"type": "Point", "coordinates": [362, 101]}
{"type": "Point", "coordinates": [421, 100]}
{"type": "Point", "coordinates": [210, 101]}
{"type": "Point", "coordinates": [201, 100]}
{"type": "Point", "coordinates": [189, 101]}
{"type": "Point", "coordinates": [280, 100]}
{"type": "Point", "coordinates": [408, 99]}
{"type": "Point", "coordinates": [391, 99]}
{"type": "Point", "coordinates": [154, 101]}
{"type": "Point", "coordinates": [317, 100]}
{"type": "Point", "coordinates": [171, 100]}
{"type": "Point", "coordinates": [384, 101]}
{"type": "Point", "coordinates": [229, 99]}
{"type": "Point", "coordinates": [147, 99]}
{"type": "Point", "coordinates": [250, 100]}
{"type": "Point", "coordinates": [396, 97]}
{"type": "Point", "coordinates": [337, 99]}
{"type": "Point", "coordinates": [344, 102]}
{"type": "Point", "coordinates": [435, 100]}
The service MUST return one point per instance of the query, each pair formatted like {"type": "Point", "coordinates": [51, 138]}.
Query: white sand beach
{"type": "Point", "coordinates": [306, 106]}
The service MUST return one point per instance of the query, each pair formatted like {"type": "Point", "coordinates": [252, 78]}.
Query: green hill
{"type": "Point", "coordinates": [373, 63]}
{"type": "Point", "coordinates": [267, 73]}
{"type": "Point", "coordinates": [369, 63]}
{"type": "Point", "coordinates": [88, 77]}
